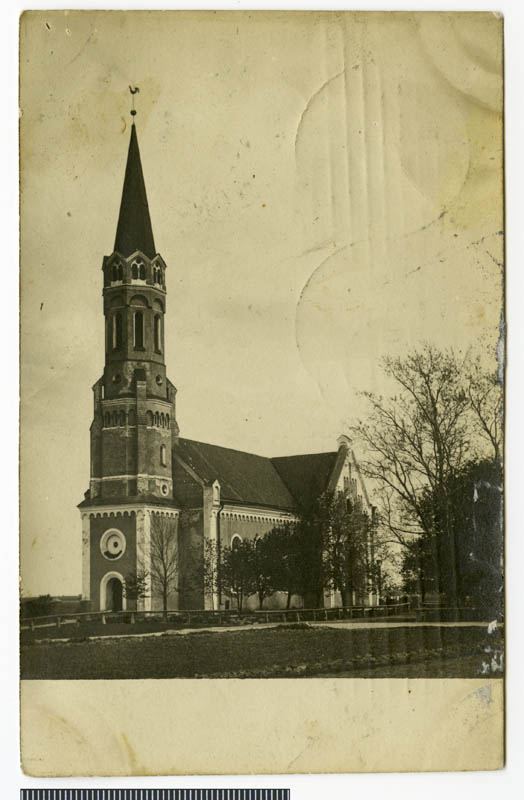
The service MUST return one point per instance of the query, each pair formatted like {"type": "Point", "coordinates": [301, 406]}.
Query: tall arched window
{"type": "Point", "coordinates": [167, 420]}
{"type": "Point", "coordinates": [122, 418]}
{"type": "Point", "coordinates": [134, 270]}
{"type": "Point", "coordinates": [139, 330]}
{"type": "Point", "coordinates": [120, 272]}
{"type": "Point", "coordinates": [162, 421]}
{"type": "Point", "coordinates": [163, 460]}
{"type": "Point", "coordinates": [150, 419]}
{"type": "Point", "coordinates": [114, 273]}
{"type": "Point", "coordinates": [142, 271]}
{"type": "Point", "coordinates": [158, 333]}
{"type": "Point", "coordinates": [117, 330]}
{"type": "Point", "coordinates": [115, 418]}
{"type": "Point", "coordinates": [157, 419]}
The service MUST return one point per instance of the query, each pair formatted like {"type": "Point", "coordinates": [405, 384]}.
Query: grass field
{"type": "Point", "coordinates": [278, 652]}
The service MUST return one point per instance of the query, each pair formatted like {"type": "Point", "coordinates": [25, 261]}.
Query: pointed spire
{"type": "Point", "coordinates": [134, 231]}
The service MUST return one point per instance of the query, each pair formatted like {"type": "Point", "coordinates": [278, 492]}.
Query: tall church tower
{"type": "Point", "coordinates": [134, 423]}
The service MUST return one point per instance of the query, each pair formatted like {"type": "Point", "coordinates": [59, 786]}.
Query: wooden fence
{"type": "Point", "coordinates": [211, 618]}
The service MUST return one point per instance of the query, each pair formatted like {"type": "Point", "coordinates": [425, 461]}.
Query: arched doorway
{"type": "Point", "coordinates": [114, 594]}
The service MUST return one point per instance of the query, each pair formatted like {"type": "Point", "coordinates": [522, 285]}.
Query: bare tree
{"type": "Point", "coordinates": [486, 399]}
{"type": "Point", "coordinates": [444, 412]}
{"type": "Point", "coordinates": [164, 556]}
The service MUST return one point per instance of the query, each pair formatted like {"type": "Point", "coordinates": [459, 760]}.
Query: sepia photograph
{"type": "Point", "coordinates": [262, 365]}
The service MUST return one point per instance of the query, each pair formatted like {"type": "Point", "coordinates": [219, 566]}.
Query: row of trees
{"type": "Point", "coordinates": [331, 546]}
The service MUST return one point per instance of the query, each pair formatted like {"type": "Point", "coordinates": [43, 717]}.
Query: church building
{"type": "Point", "coordinates": [150, 487]}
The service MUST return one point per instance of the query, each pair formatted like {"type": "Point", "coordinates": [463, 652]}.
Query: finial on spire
{"type": "Point", "coordinates": [133, 92]}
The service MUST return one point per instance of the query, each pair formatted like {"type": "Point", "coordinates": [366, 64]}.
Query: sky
{"type": "Point", "coordinates": [326, 189]}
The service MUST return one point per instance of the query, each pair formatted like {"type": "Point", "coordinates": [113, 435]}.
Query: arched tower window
{"type": "Point", "coordinates": [167, 420]}
{"type": "Point", "coordinates": [162, 421]}
{"type": "Point", "coordinates": [122, 418]}
{"type": "Point", "coordinates": [158, 333]}
{"type": "Point", "coordinates": [157, 419]}
{"type": "Point", "coordinates": [163, 451]}
{"type": "Point", "coordinates": [120, 272]}
{"type": "Point", "coordinates": [114, 273]}
{"type": "Point", "coordinates": [139, 330]}
{"type": "Point", "coordinates": [150, 419]}
{"type": "Point", "coordinates": [134, 270]}
{"type": "Point", "coordinates": [107, 420]}
{"type": "Point", "coordinates": [142, 271]}
{"type": "Point", "coordinates": [117, 330]}
{"type": "Point", "coordinates": [115, 418]}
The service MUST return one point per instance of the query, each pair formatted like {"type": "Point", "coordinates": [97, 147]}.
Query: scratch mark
{"type": "Point", "coordinates": [311, 741]}
{"type": "Point", "coordinates": [135, 768]}
{"type": "Point", "coordinates": [311, 100]}
{"type": "Point", "coordinates": [497, 262]}
{"type": "Point", "coordinates": [488, 236]}
{"type": "Point", "coordinates": [428, 224]}
{"type": "Point", "coordinates": [331, 255]}
{"type": "Point", "coordinates": [81, 49]}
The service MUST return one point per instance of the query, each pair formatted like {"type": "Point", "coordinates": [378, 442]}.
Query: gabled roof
{"type": "Point", "coordinates": [307, 476]}
{"type": "Point", "coordinates": [134, 231]}
{"type": "Point", "coordinates": [286, 483]}
{"type": "Point", "coordinates": [244, 477]}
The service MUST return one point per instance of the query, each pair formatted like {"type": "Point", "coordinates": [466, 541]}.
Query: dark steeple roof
{"type": "Point", "coordinates": [134, 231]}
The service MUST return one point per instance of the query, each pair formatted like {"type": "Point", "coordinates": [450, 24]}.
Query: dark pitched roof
{"type": "Point", "coordinates": [134, 231]}
{"type": "Point", "coordinates": [243, 477]}
{"type": "Point", "coordinates": [306, 476]}
{"type": "Point", "coordinates": [287, 483]}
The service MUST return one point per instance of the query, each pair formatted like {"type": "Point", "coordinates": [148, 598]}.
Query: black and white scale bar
{"type": "Point", "coordinates": [154, 794]}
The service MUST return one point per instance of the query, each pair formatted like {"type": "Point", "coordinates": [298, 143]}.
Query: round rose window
{"type": "Point", "coordinates": [113, 544]}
